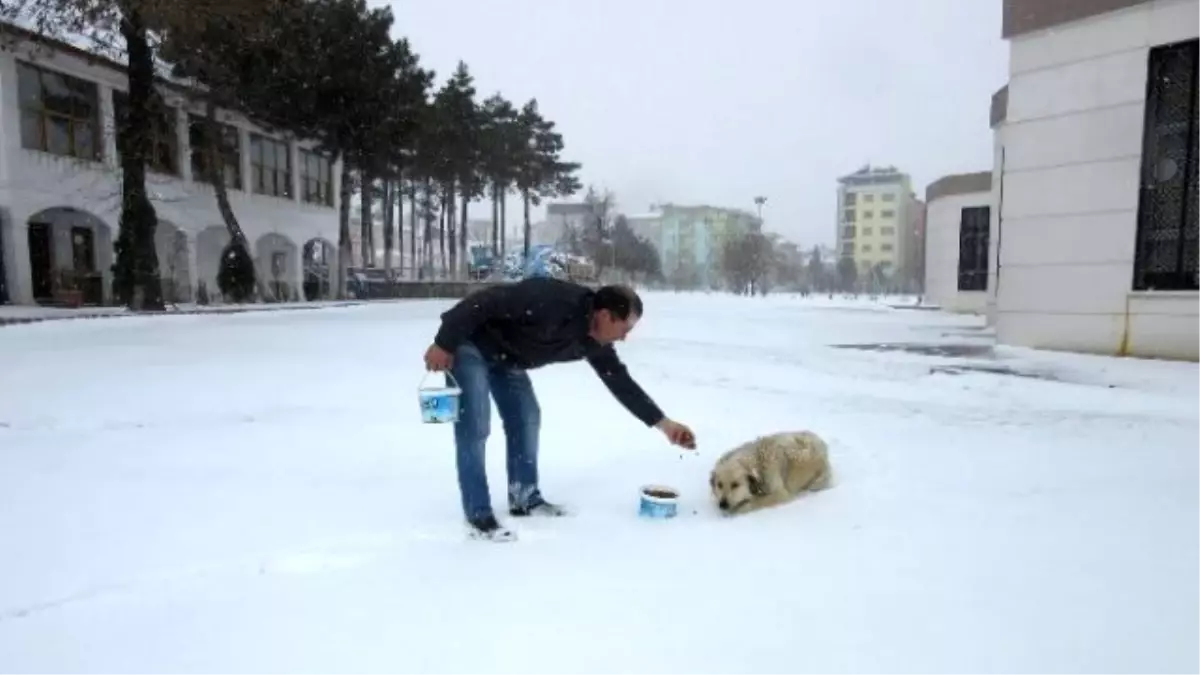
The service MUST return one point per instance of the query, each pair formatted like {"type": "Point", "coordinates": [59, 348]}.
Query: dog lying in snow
{"type": "Point", "coordinates": [769, 471]}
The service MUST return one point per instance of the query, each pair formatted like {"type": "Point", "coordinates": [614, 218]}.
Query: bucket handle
{"type": "Point", "coordinates": [449, 377]}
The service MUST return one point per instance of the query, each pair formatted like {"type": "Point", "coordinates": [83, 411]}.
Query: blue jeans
{"type": "Point", "coordinates": [522, 420]}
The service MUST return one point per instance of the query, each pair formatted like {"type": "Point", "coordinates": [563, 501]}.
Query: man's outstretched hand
{"type": "Point", "coordinates": [438, 359]}
{"type": "Point", "coordinates": [678, 434]}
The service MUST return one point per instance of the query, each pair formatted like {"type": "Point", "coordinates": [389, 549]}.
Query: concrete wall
{"type": "Point", "coordinates": [943, 216]}
{"type": "Point", "coordinates": [32, 181]}
{"type": "Point", "coordinates": [994, 234]}
{"type": "Point", "coordinates": [1071, 144]}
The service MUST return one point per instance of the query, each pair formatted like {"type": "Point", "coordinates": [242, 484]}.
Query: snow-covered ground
{"type": "Point", "coordinates": [255, 492]}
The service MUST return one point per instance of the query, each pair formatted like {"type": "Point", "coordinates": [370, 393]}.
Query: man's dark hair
{"type": "Point", "coordinates": [619, 300]}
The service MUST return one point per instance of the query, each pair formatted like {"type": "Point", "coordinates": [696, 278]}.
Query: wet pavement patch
{"type": "Point", "coordinates": [954, 351]}
{"type": "Point", "coordinates": [992, 370]}
{"type": "Point", "coordinates": [957, 351]}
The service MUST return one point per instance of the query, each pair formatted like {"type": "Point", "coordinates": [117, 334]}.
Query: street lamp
{"type": "Point", "coordinates": [758, 202]}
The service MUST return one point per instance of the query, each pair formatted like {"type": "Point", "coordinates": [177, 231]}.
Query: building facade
{"type": "Point", "coordinates": [914, 247]}
{"type": "Point", "coordinates": [648, 226]}
{"type": "Point", "coordinates": [957, 241]}
{"type": "Point", "coordinates": [874, 218]}
{"type": "Point", "coordinates": [60, 192]}
{"type": "Point", "coordinates": [1095, 234]}
{"type": "Point", "coordinates": [561, 218]}
{"type": "Point", "coordinates": [693, 238]}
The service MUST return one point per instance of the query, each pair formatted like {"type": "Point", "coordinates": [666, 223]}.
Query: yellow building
{"type": "Point", "coordinates": [874, 219]}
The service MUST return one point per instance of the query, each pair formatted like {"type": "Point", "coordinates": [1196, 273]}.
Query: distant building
{"type": "Point", "coordinates": [648, 226]}
{"type": "Point", "coordinates": [561, 217]}
{"type": "Point", "coordinates": [874, 215]}
{"type": "Point", "coordinates": [693, 238]}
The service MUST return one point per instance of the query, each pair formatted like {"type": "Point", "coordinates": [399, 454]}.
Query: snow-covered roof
{"type": "Point", "coordinates": [99, 46]}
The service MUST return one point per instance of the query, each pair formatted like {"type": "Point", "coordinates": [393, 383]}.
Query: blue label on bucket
{"type": "Point", "coordinates": [654, 509]}
{"type": "Point", "coordinates": [439, 406]}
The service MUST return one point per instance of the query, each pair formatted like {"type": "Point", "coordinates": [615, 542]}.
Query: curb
{"type": "Point", "coordinates": [14, 321]}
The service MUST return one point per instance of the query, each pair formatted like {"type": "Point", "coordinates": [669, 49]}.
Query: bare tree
{"type": "Point", "coordinates": [747, 262]}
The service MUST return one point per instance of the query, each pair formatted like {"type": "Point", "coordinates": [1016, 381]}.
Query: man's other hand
{"type": "Point", "coordinates": [438, 359]}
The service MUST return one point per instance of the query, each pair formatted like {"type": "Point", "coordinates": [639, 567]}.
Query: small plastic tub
{"type": "Point", "coordinates": [658, 501]}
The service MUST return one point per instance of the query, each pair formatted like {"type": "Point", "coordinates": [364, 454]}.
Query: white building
{"type": "Point", "coordinates": [562, 217]}
{"type": "Point", "coordinates": [1096, 177]}
{"type": "Point", "coordinates": [60, 185]}
{"type": "Point", "coordinates": [957, 223]}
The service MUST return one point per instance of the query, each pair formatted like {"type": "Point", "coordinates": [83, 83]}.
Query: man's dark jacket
{"type": "Point", "coordinates": [536, 322]}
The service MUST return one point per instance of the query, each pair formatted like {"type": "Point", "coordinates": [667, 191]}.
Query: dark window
{"type": "Point", "coordinates": [848, 232]}
{"type": "Point", "coordinates": [887, 213]}
{"type": "Point", "coordinates": [887, 231]}
{"type": "Point", "coordinates": [59, 114]}
{"type": "Point", "coordinates": [868, 214]}
{"type": "Point", "coordinates": [231, 150]}
{"type": "Point", "coordinates": [1166, 224]}
{"type": "Point", "coordinates": [868, 197]}
{"type": "Point", "coordinates": [316, 178]}
{"type": "Point", "coordinates": [850, 200]}
{"type": "Point", "coordinates": [885, 247]}
{"type": "Point", "coordinates": [270, 167]}
{"type": "Point", "coordinates": [868, 231]}
{"type": "Point", "coordinates": [848, 216]}
{"type": "Point", "coordinates": [889, 197]}
{"type": "Point", "coordinates": [164, 143]}
{"type": "Point", "coordinates": [973, 248]}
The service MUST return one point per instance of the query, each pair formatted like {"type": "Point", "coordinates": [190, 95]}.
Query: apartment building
{"type": "Point", "coordinates": [1095, 234]}
{"type": "Point", "coordinates": [692, 241]}
{"type": "Point", "coordinates": [60, 185]}
{"type": "Point", "coordinates": [874, 218]}
{"type": "Point", "coordinates": [648, 226]}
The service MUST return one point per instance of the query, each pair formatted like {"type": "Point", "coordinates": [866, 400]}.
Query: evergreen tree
{"type": "Point", "coordinates": [540, 172]}
{"type": "Point", "coordinates": [456, 130]}
{"type": "Point", "coordinates": [334, 75]}
{"type": "Point", "coordinates": [847, 272]}
{"type": "Point", "coordinates": [500, 138]}
{"type": "Point", "coordinates": [235, 276]}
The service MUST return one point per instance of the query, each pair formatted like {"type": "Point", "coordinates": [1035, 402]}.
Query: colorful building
{"type": "Point", "coordinates": [692, 239]}
{"type": "Point", "coordinates": [875, 219]}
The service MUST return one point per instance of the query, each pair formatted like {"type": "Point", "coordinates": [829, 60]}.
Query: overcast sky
{"type": "Point", "coordinates": [716, 101]}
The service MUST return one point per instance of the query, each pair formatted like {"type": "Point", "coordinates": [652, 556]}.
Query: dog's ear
{"type": "Point", "coordinates": [755, 484]}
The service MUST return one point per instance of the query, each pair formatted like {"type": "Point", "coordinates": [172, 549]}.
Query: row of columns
{"type": "Point", "coordinates": [200, 254]}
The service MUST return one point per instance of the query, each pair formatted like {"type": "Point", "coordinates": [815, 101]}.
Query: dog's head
{"type": "Point", "coordinates": [734, 485]}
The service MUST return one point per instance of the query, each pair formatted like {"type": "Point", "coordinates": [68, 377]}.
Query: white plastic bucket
{"type": "Point", "coordinates": [439, 405]}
